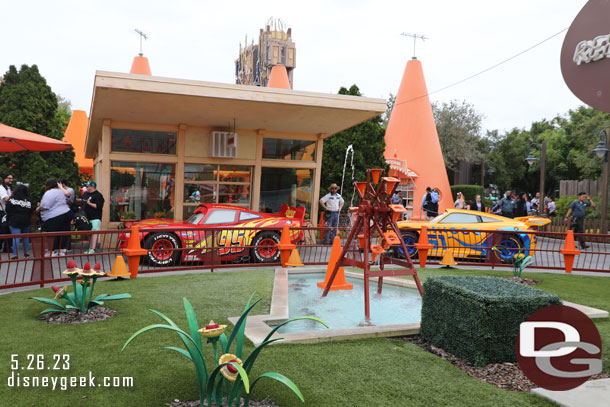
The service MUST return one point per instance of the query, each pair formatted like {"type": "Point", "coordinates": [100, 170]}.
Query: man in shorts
{"type": "Point", "coordinates": [92, 203]}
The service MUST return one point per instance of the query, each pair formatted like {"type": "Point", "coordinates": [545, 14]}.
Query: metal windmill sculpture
{"type": "Point", "coordinates": [375, 218]}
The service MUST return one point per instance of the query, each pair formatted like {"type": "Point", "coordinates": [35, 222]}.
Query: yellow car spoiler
{"type": "Point", "coordinates": [534, 221]}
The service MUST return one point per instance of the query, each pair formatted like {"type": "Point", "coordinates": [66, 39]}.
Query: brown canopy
{"type": "Point", "coordinates": [12, 140]}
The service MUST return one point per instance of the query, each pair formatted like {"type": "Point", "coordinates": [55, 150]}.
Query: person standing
{"type": "Point", "coordinates": [56, 215]}
{"type": "Point", "coordinates": [521, 206]}
{"type": "Point", "coordinates": [332, 203]}
{"type": "Point", "coordinates": [551, 206]}
{"type": "Point", "coordinates": [19, 211]}
{"type": "Point", "coordinates": [93, 203]}
{"type": "Point", "coordinates": [506, 205]}
{"type": "Point", "coordinates": [577, 210]}
{"type": "Point", "coordinates": [460, 203]}
{"type": "Point", "coordinates": [478, 205]}
{"type": "Point", "coordinates": [6, 184]}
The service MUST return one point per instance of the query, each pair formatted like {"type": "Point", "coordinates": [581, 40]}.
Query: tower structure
{"type": "Point", "coordinates": [275, 47]}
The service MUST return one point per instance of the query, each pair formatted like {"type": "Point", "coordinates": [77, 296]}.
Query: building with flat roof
{"type": "Point", "coordinates": [161, 146]}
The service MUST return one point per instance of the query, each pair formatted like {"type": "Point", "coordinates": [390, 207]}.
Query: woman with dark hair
{"type": "Point", "coordinates": [19, 213]}
{"type": "Point", "coordinates": [55, 214]}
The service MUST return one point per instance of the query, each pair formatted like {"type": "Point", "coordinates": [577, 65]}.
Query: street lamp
{"type": "Point", "coordinates": [531, 160]}
{"type": "Point", "coordinates": [602, 153]}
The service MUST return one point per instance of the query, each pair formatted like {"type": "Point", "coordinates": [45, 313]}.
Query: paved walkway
{"type": "Point", "coordinates": [594, 393]}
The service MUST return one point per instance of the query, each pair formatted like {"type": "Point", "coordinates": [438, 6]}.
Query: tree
{"type": "Point", "coordinates": [388, 113]}
{"type": "Point", "coordinates": [459, 129]}
{"type": "Point", "coordinates": [368, 141]}
{"type": "Point", "coordinates": [28, 103]}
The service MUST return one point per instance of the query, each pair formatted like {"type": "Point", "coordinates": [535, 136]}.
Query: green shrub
{"type": "Point", "coordinates": [478, 318]}
{"type": "Point", "coordinates": [469, 191]}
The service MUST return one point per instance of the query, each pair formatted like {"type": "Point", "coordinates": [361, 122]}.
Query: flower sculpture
{"type": "Point", "coordinates": [83, 282]}
{"type": "Point", "coordinates": [229, 378]}
{"type": "Point", "coordinates": [229, 371]}
{"type": "Point", "coordinates": [519, 260]}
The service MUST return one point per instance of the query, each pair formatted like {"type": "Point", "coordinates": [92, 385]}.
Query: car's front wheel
{"type": "Point", "coordinates": [265, 248]}
{"type": "Point", "coordinates": [162, 249]}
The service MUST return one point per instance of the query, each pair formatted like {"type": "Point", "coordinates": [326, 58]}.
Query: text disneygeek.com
{"type": "Point", "coordinates": [20, 377]}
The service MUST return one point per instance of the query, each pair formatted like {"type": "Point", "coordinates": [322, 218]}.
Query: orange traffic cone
{"type": "Point", "coordinates": [569, 251]}
{"type": "Point", "coordinates": [423, 246]}
{"type": "Point", "coordinates": [448, 259]}
{"type": "Point", "coordinates": [339, 282]}
{"type": "Point", "coordinates": [285, 245]}
{"type": "Point", "coordinates": [119, 269]}
{"type": "Point", "coordinates": [134, 251]}
{"type": "Point", "coordinates": [295, 259]}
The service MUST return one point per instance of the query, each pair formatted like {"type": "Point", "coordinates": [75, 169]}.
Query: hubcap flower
{"type": "Point", "coordinates": [212, 330]}
{"type": "Point", "coordinates": [229, 371]}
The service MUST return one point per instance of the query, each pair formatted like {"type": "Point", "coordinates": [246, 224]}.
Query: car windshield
{"type": "Point", "coordinates": [439, 217]}
{"type": "Point", "coordinates": [195, 218]}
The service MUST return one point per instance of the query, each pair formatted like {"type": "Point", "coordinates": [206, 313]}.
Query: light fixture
{"type": "Point", "coordinates": [601, 150]}
{"type": "Point", "coordinates": [530, 158]}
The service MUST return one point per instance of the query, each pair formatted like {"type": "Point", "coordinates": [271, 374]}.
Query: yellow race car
{"type": "Point", "coordinates": [460, 231]}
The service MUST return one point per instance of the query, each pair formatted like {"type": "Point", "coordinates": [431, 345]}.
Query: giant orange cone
{"type": "Point", "coordinates": [569, 251]}
{"type": "Point", "coordinates": [423, 246]}
{"type": "Point", "coordinates": [278, 78]}
{"type": "Point", "coordinates": [285, 245]}
{"type": "Point", "coordinates": [134, 251]}
{"type": "Point", "coordinates": [339, 282]}
{"type": "Point", "coordinates": [411, 136]}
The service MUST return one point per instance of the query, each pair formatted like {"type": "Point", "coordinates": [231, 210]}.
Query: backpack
{"type": "Point", "coordinates": [81, 222]}
{"type": "Point", "coordinates": [434, 198]}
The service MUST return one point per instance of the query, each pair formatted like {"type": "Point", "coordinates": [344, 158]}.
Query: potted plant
{"type": "Point", "coordinates": [128, 218]}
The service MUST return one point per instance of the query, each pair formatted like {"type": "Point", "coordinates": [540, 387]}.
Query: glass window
{"type": "Point", "coordinates": [489, 220]}
{"type": "Point", "coordinates": [285, 185]}
{"type": "Point", "coordinates": [143, 141]}
{"type": "Point", "coordinates": [219, 216]}
{"type": "Point", "coordinates": [460, 218]}
{"type": "Point", "coordinates": [196, 218]}
{"type": "Point", "coordinates": [282, 149]}
{"type": "Point", "coordinates": [248, 216]}
{"type": "Point", "coordinates": [200, 172]}
{"type": "Point", "coordinates": [144, 188]}
{"type": "Point", "coordinates": [199, 193]}
{"type": "Point", "coordinates": [214, 183]}
{"type": "Point", "coordinates": [235, 173]}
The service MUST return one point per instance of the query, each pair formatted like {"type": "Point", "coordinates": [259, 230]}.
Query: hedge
{"type": "Point", "coordinates": [469, 191]}
{"type": "Point", "coordinates": [478, 318]}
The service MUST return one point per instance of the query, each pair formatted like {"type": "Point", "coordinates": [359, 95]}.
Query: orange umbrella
{"type": "Point", "coordinates": [12, 140]}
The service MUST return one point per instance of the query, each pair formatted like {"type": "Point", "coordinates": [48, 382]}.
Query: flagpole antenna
{"type": "Point", "coordinates": [142, 35]}
{"type": "Point", "coordinates": [415, 38]}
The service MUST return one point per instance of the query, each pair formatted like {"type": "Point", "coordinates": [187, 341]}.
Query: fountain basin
{"type": "Point", "coordinates": [353, 327]}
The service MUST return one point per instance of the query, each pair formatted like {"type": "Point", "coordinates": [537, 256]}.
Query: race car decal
{"type": "Point", "coordinates": [232, 241]}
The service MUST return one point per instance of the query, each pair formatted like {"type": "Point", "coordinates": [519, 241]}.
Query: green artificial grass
{"type": "Point", "coordinates": [371, 372]}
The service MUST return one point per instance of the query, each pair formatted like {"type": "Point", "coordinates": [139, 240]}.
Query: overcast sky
{"type": "Point", "coordinates": [339, 43]}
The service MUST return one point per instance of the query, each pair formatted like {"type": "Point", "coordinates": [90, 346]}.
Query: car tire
{"type": "Point", "coordinates": [156, 243]}
{"type": "Point", "coordinates": [513, 245]}
{"type": "Point", "coordinates": [410, 239]}
{"type": "Point", "coordinates": [265, 248]}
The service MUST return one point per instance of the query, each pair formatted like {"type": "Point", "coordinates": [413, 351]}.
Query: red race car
{"type": "Point", "coordinates": [213, 219]}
